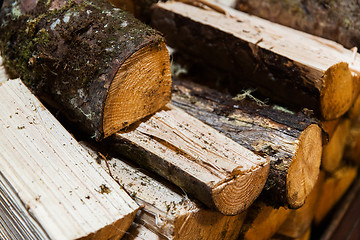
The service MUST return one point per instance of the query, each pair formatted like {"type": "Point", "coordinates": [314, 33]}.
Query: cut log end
{"type": "Point", "coordinates": [337, 95]}
{"type": "Point", "coordinates": [141, 86]}
{"type": "Point", "coordinates": [305, 167]}
{"type": "Point", "coordinates": [334, 150]}
{"type": "Point", "coordinates": [235, 196]}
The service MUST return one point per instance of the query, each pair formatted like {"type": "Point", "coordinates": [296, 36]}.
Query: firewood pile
{"type": "Point", "coordinates": [247, 130]}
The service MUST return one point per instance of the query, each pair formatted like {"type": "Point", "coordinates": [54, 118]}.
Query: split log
{"type": "Point", "coordinates": [307, 71]}
{"type": "Point", "coordinates": [204, 163]}
{"type": "Point", "coordinates": [333, 189]}
{"type": "Point", "coordinates": [336, 20]}
{"type": "Point", "coordinates": [103, 67]}
{"type": "Point", "coordinates": [262, 221]}
{"type": "Point", "coordinates": [58, 183]}
{"type": "Point", "coordinates": [167, 211]}
{"type": "Point", "coordinates": [299, 221]}
{"type": "Point", "coordinates": [333, 151]}
{"type": "Point", "coordinates": [292, 141]}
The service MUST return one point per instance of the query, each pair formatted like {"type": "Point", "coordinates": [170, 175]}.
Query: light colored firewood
{"type": "Point", "coordinates": [333, 151]}
{"type": "Point", "coordinates": [307, 70]}
{"type": "Point", "coordinates": [333, 189]}
{"type": "Point", "coordinates": [299, 221]}
{"type": "Point", "coordinates": [213, 168]}
{"type": "Point", "coordinates": [58, 182]}
{"type": "Point", "coordinates": [262, 221]}
{"type": "Point", "coordinates": [167, 211]}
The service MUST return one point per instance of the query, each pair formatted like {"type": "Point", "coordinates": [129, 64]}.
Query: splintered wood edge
{"type": "Point", "coordinates": [141, 86]}
{"type": "Point", "coordinates": [236, 195]}
{"type": "Point", "coordinates": [305, 166]}
{"type": "Point", "coordinates": [43, 149]}
{"type": "Point", "coordinates": [339, 91]}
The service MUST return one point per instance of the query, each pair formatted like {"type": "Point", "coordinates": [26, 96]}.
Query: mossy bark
{"type": "Point", "coordinates": [270, 131]}
{"type": "Point", "coordinates": [71, 50]}
{"type": "Point", "coordinates": [337, 20]}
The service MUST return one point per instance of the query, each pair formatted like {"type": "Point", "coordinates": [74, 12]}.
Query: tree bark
{"type": "Point", "coordinates": [167, 211]}
{"type": "Point", "coordinates": [336, 20]}
{"type": "Point", "coordinates": [307, 71]}
{"type": "Point", "coordinates": [204, 163]}
{"type": "Point", "coordinates": [101, 65]}
{"type": "Point", "coordinates": [291, 141]}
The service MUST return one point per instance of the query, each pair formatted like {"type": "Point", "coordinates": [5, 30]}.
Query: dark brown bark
{"type": "Point", "coordinates": [72, 50]}
{"type": "Point", "coordinates": [337, 20]}
{"type": "Point", "coordinates": [244, 48]}
{"type": "Point", "coordinates": [269, 131]}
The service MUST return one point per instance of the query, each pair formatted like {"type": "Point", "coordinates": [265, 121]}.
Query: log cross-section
{"type": "Point", "coordinates": [103, 68]}
{"type": "Point", "coordinates": [204, 163]}
{"type": "Point", "coordinates": [307, 71]}
{"type": "Point", "coordinates": [292, 141]}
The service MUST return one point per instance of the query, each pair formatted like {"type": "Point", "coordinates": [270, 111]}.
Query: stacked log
{"type": "Point", "coordinates": [261, 54]}
{"type": "Point", "coordinates": [209, 165]}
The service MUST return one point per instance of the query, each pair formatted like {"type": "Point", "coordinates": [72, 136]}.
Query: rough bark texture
{"type": "Point", "coordinates": [337, 20]}
{"type": "Point", "coordinates": [271, 131]}
{"type": "Point", "coordinates": [72, 50]}
{"type": "Point", "coordinates": [262, 55]}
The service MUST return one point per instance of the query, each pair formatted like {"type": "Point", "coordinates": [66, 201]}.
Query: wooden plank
{"type": "Point", "coordinates": [168, 212]}
{"type": "Point", "coordinates": [54, 177]}
{"type": "Point", "coordinates": [204, 163]}
{"type": "Point", "coordinates": [103, 68]}
{"type": "Point", "coordinates": [292, 141]}
{"type": "Point", "coordinates": [307, 71]}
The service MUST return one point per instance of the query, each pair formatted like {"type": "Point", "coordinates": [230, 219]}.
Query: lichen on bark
{"type": "Point", "coordinates": [71, 50]}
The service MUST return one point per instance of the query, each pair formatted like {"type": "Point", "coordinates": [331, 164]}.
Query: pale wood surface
{"type": "Point", "coordinates": [216, 170]}
{"type": "Point", "coordinates": [167, 211]}
{"type": "Point", "coordinates": [57, 180]}
{"type": "Point", "coordinates": [321, 66]}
